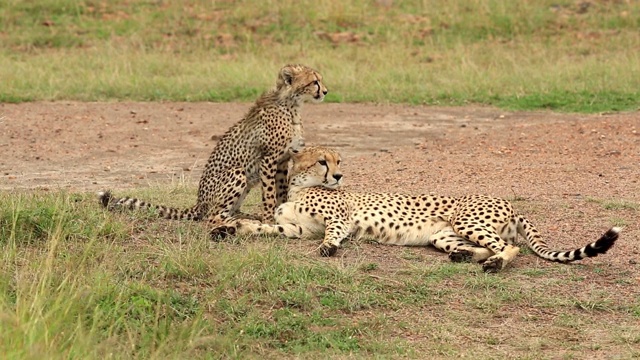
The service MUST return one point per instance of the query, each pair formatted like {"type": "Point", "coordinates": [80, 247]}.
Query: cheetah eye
{"type": "Point", "coordinates": [317, 83]}
{"type": "Point", "coordinates": [322, 162]}
{"type": "Point", "coordinates": [339, 161]}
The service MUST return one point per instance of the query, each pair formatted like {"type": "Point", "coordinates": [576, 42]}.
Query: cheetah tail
{"type": "Point", "coordinates": [110, 202]}
{"type": "Point", "coordinates": [540, 247]}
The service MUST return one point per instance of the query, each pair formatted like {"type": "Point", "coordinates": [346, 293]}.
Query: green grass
{"type": "Point", "coordinates": [616, 204]}
{"type": "Point", "coordinates": [518, 55]}
{"type": "Point", "coordinates": [79, 282]}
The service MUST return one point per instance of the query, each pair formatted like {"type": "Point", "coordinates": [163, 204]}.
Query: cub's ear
{"type": "Point", "coordinates": [286, 75]}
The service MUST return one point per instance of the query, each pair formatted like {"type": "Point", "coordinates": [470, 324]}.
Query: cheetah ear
{"type": "Point", "coordinates": [286, 75]}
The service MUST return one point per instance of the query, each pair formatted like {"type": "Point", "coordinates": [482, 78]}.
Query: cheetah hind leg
{"type": "Point", "coordinates": [232, 187]}
{"type": "Point", "coordinates": [458, 248]}
{"type": "Point", "coordinates": [486, 236]}
{"type": "Point", "coordinates": [500, 260]}
{"type": "Point", "coordinates": [245, 216]}
{"type": "Point", "coordinates": [246, 227]}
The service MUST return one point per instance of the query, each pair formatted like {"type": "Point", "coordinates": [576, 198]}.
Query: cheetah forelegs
{"type": "Point", "coordinates": [336, 230]}
{"type": "Point", "coordinates": [281, 182]}
{"type": "Point", "coordinates": [270, 171]}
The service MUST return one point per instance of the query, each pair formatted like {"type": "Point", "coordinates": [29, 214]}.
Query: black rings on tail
{"type": "Point", "coordinates": [603, 244]}
{"type": "Point", "coordinates": [600, 246]}
{"type": "Point", "coordinates": [105, 198]}
{"type": "Point", "coordinates": [540, 247]}
{"type": "Point", "coordinates": [108, 201]}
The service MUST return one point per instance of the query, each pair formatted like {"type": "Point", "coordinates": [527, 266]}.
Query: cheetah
{"type": "Point", "coordinates": [474, 228]}
{"type": "Point", "coordinates": [254, 150]}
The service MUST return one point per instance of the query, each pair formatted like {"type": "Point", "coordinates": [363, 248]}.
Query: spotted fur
{"type": "Point", "coordinates": [470, 228]}
{"type": "Point", "coordinates": [254, 151]}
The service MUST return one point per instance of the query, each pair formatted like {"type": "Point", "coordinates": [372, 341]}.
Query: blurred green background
{"type": "Point", "coordinates": [577, 56]}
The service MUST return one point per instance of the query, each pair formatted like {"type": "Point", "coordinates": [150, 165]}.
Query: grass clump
{"type": "Point", "coordinates": [77, 281]}
{"type": "Point", "coordinates": [615, 204]}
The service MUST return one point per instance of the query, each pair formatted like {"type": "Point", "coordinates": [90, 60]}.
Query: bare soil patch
{"type": "Point", "coordinates": [573, 175]}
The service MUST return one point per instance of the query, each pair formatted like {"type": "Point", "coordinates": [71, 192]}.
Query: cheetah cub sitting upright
{"type": "Point", "coordinates": [470, 228]}
{"type": "Point", "coordinates": [255, 150]}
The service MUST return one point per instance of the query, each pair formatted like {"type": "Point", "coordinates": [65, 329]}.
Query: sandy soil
{"type": "Point", "coordinates": [574, 176]}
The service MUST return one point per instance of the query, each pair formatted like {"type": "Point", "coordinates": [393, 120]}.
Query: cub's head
{"type": "Point", "coordinates": [301, 83]}
{"type": "Point", "coordinates": [316, 166]}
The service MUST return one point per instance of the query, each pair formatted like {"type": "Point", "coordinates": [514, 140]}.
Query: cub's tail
{"type": "Point", "coordinates": [108, 201]}
{"type": "Point", "coordinates": [540, 247]}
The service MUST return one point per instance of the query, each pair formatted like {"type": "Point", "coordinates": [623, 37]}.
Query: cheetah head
{"type": "Point", "coordinates": [316, 166]}
{"type": "Point", "coordinates": [301, 83]}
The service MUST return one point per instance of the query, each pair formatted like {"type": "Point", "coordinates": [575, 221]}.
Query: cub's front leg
{"type": "Point", "coordinates": [281, 182]}
{"type": "Point", "coordinates": [268, 171]}
{"type": "Point", "coordinates": [282, 179]}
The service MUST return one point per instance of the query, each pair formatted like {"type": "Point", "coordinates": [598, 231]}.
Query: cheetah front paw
{"type": "Point", "coordinates": [328, 250]}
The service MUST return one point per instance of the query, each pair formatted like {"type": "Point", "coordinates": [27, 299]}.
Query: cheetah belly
{"type": "Point", "coordinates": [252, 168]}
{"type": "Point", "coordinates": [410, 232]}
{"type": "Point", "coordinates": [395, 219]}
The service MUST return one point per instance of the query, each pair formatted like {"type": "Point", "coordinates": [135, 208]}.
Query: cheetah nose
{"type": "Point", "coordinates": [337, 176]}
{"type": "Point", "coordinates": [325, 91]}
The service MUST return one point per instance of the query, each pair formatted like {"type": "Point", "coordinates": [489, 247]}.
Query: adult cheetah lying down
{"type": "Point", "coordinates": [470, 228]}
{"type": "Point", "coordinates": [255, 150]}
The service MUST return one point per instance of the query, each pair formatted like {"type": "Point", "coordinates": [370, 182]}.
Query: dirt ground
{"type": "Point", "coordinates": [573, 175]}
{"type": "Point", "coordinates": [563, 166]}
